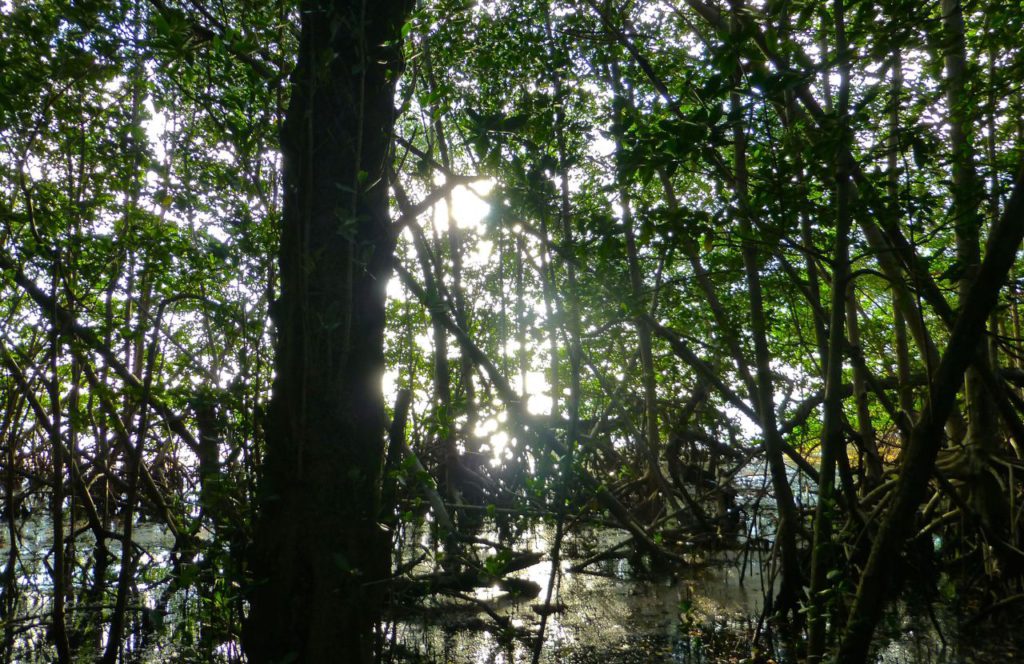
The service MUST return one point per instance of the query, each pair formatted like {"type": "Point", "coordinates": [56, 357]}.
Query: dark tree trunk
{"type": "Point", "coordinates": [318, 547]}
{"type": "Point", "coordinates": [926, 438]}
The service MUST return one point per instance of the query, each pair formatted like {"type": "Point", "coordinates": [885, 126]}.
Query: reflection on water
{"type": "Point", "coordinates": [617, 611]}
{"type": "Point", "coordinates": [610, 613]}
{"type": "Point", "coordinates": [152, 613]}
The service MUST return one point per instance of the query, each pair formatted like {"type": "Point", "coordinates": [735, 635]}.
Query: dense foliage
{"type": "Point", "coordinates": [643, 247]}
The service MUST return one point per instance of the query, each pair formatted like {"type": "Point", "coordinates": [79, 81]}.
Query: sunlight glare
{"type": "Point", "coordinates": [389, 383]}
{"type": "Point", "coordinates": [537, 393]}
{"type": "Point", "coordinates": [499, 442]}
{"type": "Point", "coordinates": [468, 207]}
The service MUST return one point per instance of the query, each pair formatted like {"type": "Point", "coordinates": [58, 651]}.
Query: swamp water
{"type": "Point", "coordinates": [610, 613]}
{"type": "Point", "coordinates": [615, 613]}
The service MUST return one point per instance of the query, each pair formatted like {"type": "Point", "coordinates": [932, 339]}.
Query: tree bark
{"type": "Point", "coordinates": [789, 587]}
{"type": "Point", "coordinates": [968, 199]}
{"type": "Point", "coordinates": [651, 443]}
{"type": "Point", "coordinates": [926, 438]}
{"type": "Point", "coordinates": [318, 547]}
{"type": "Point", "coordinates": [833, 439]}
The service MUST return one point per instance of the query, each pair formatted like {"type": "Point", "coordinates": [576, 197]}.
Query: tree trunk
{"type": "Point", "coordinates": [318, 546]}
{"type": "Point", "coordinates": [872, 460]}
{"type": "Point", "coordinates": [789, 587]}
{"type": "Point", "coordinates": [651, 439]}
{"type": "Point", "coordinates": [833, 439]}
{"type": "Point", "coordinates": [926, 437]}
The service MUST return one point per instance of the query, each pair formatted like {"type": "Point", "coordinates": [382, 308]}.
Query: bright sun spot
{"type": "Point", "coordinates": [499, 445]}
{"type": "Point", "coordinates": [537, 393]}
{"type": "Point", "coordinates": [468, 205]}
